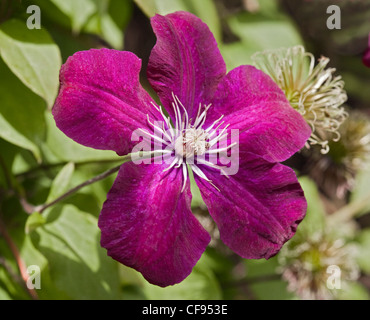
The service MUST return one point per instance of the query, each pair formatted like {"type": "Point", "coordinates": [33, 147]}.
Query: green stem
{"type": "Point", "coordinates": [42, 208]}
{"type": "Point", "coordinates": [127, 158]}
{"type": "Point", "coordinates": [29, 173]}
{"type": "Point", "coordinates": [351, 210]}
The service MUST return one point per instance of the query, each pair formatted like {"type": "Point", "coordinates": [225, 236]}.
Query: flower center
{"type": "Point", "coordinates": [186, 140]}
{"type": "Point", "coordinates": [192, 142]}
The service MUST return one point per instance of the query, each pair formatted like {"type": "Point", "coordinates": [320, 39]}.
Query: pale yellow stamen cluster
{"type": "Point", "coordinates": [311, 89]}
{"type": "Point", "coordinates": [192, 142]}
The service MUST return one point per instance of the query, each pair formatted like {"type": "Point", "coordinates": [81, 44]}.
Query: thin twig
{"type": "Point", "coordinates": [29, 208]}
{"type": "Point", "coordinates": [42, 208]}
{"type": "Point", "coordinates": [127, 158]}
{"type": "Point", "coordinates": [30, 172]}
{"type": "Point", "coordinates": [21, 265]}
{"type": "Point", "coordinates": [18, 279]}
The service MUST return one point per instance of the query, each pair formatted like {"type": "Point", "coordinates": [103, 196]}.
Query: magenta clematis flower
{"type": "Point", "coordinates": [366, 56]}
{"type": "Point", "coordinates": [146, 222]}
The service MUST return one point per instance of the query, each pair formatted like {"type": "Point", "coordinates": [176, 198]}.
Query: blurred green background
{"type": "Point", "coordinates": [38, 163]}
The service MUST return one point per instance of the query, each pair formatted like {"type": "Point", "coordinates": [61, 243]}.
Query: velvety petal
{"type": "Point", "coordinates": [185, 61]}
{"type": "Point", "coordinates": [252, 103]}
{"type": "Point", "coordinates": [366, 57]}
{"type": "Point", "coordinates": [258, 209]}
{"type": "Point", "coordinates": [147, 224]}
{"type": "Point", "coordinates": [101, 100]}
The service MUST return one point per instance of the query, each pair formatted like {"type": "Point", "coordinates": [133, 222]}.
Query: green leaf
{"type": "Point", "coordinates": [258, 33]}
{"type": "Point", "coordinates": [33, 58]}
{"type": "Point", "coordinates": [110, 20]}
{"type": "Point", "coordinates": [269, 9]}
{"type": "Point", "coordinates": [205, 10]}
{"type": "Point", "coordinates": [79, 267]}
{"type": "Point", "coordinates": [264, 281]}
{"type": "Point", "coordinates": [151, 7]}
{"type": "Point", "coordinates": [30, 255]}
{"type": "Point", "coordinates": [34, 221]}
{"type": "Point", "coordinates": [9, 288]}
{"type": "Point", "coordinates": [21, 113]}
{"type": "Point", "coordinates": [363, 256]}
{"type": "Point", "coordinates": [217, 262]}
{"type": "Point", "coordinates": [77, 11]}
{"type": "Point", "coordinates": [8, 133]}
{"type": "Point", "coordinates": [65, 149]}
{"type": "Point", "coordinates": [111, 32]}
{"type": "Point", "coordinates": [361, 190]}
{"type": "Point", "coordinates": [147, 6]}
{"type": "Point", "coordinates": [33, 257]}
{"type": "Point", "coordinates": [4, 295]}
{"type": "Point", "coordinates": [200, 285]}
{"type": "Point", "coordinates": [132, 293]}
{"type": "Point", "coordinates": [196, 200]}
{"type": "Point", "coordinates": [168, 6]}
{"type": "Point", "coordinates": [315, 217]}
{"type": "Point", "coordinates": [237, 53]}
{"type": "Point", "coordinates": [61, 182]}
{"type": "Point", "coordinates": [353, 291]}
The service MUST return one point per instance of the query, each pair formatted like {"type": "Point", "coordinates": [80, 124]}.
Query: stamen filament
{"type": "Point", "coordinates": [200, 173]}
{"type": "Point", "coordinates": [214, 123]}
{"type": "Point", "coordinates": [153, 136]}
{"type": "Point", "coordinates": [186, 140]}
{"type": "Point", "coordinates": [213, 151]}
{"type": "Point", "coordinates": [185, 176]}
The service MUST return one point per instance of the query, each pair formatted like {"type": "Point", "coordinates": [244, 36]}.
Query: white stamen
{"type": "Point", "coordinates": [185, 175]}
{"type": "Point", "coordinates": [153, 136]}
{"type": "Point", "coordinates": [188, 140]}
{"type": "Point", "coordinates": [220, 137]}
{"type": "Point", "coordinates": [175, 161]}
{"type": "Point", "coordinates": [215, 151]}
{"type": "Point", "coordinates": [200, 173]}
{"type": "Point", "coordinates": [162, 130]}
{"type": "Point", "coordinates": [214, 123]}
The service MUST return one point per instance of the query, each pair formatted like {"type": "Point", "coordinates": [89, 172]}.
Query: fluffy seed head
{"type": "Point", "coordinates": [308, 265]}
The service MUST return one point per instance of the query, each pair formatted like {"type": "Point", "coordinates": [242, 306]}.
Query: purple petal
{"type": "Point", "coordinates": [252, 103]}
{"type": "Point", "coordinates": [258, 209]}
{"type": "Point", "coordinates": [101, 100]}
{"type": "Point", "coordinates": [185, 61]}
{"type": "Point", "coordinates": [147, 224]}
